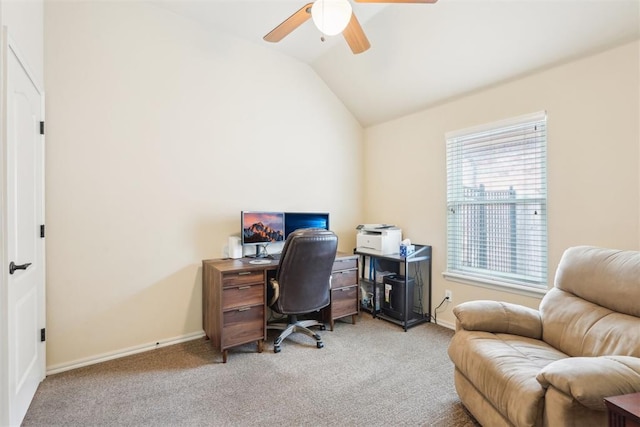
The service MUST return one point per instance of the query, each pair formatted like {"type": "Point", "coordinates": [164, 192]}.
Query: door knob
{"type": "Point", "coordinates": [13, 267]}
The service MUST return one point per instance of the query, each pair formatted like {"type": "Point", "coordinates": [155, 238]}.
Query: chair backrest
{"type": "Point", "coordinates": [304, 271]}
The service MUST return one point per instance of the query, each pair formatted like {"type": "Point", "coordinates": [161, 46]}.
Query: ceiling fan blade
{"type": "Point", "coordinates": [289, 24]}
{"type": "Point", "coordinates": [355, 37]}
{"type": "Point", "coordinates": [396, 1]}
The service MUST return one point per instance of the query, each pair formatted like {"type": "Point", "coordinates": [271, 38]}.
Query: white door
{"type": "Point", "coordinates": [25, 246]}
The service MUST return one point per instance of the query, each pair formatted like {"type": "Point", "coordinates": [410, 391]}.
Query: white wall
{"type": "Point", "coordinates": [593, 161]}
{"type": "Point", "coordinates": [159, 132]}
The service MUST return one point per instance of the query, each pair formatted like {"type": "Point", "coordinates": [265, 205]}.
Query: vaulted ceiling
{"type": "Point", "coordinates": [425, 54]}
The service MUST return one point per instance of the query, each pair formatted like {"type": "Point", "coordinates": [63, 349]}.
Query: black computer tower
{"type": "Point", "coordinates": [394, 295]}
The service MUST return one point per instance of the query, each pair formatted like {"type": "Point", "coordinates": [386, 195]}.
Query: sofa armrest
{"type": "Point", "coordinates": [499, 317]}
{"type": "Point", "coordinates": [590, 379]}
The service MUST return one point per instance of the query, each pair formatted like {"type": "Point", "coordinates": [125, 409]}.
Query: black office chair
{"type": "Point", "coordinates": [302, 282]}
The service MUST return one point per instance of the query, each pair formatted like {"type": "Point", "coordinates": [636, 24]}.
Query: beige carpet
{"type": "Point", "coordinates": [370, 373]}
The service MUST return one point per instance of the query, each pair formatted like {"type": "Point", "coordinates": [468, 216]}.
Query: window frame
{"type": "Point", "coordinates": [495, 279]}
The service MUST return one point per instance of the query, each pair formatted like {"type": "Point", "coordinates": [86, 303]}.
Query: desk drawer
{"type": "Point", "coordinates": [243, 325]}
{"type": "Point", "coordinates": [242, 278]}
{"type": "Point", "coordinates": [344, 264]}
{"type": "Point", "coordinates": [340, 279]}
{"type": "Point", "coordinates": [242, 296]}
{"type": "Point", "coordinates": [344, 301]}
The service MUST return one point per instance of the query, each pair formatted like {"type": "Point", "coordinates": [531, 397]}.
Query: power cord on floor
{"type": "Point", "coordinates": [435, 310]}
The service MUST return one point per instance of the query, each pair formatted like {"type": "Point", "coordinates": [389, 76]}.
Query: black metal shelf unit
{"type": "Point", "coordinates": [392, 286]}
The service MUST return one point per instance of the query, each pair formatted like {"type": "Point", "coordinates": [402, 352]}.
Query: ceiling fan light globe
{"type": "Point", "coordinates": [331, 16]}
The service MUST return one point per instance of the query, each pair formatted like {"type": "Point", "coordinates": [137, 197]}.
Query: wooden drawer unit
{"type": "Point", "coordinates": [238, 278]}
{"type": "Point", "coordinates": [344, 290]}
{"type": "Point", "coordinates": [344, 278]}
{"type": "Point", "coordinates": [345, 262]}
{"type": "Point", "coordinates": [242, 296]}
{"type": "Point", "coordinates": [233, 304]}
{"type": "Point", "coordinates": [242, 325]}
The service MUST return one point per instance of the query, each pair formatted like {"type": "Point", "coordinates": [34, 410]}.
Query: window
{"type": "Point", "coordinates": [497, 203]}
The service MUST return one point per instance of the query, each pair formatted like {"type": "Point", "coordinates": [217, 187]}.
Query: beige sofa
{"type": "Point", "coordinates": [515, 366]}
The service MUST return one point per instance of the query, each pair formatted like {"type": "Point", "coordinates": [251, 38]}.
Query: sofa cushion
{"type": "Point", "coordinates": [498, 317]}
{"type": "Point", "coordinates": [503, 368]}
{"type": "Point", "coordinates": [580, 328]}
{"type": "Point", "coordinates": [589, 379]}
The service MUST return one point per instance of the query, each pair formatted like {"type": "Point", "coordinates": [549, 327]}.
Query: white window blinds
{"type": "Point", "coordinates": [497, 202]}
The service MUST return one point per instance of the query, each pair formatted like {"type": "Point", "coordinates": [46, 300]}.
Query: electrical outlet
{"type": "Point", "coordinates": [448, 295]}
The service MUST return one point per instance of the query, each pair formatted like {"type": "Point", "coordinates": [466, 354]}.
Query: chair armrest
{"type": "Point", "coordinates": [498, 317]}
{"type": "Point", "coordinates": [276, 292]}
{"type": "Point", "coordinates": [590, 379]}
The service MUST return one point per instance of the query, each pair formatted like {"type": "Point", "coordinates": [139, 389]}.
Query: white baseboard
{"type": "Point", "coordinates": [447, 324]}
{"type": "Point", "coordinates": [56, 369]}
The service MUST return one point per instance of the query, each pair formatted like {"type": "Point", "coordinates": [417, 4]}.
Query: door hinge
{"type": "Point", "coordinates": [42, 231]}
{"type": "Point", "coordinates": [41, 128]}
{"type": "Point", "coordinates": [43, 335]}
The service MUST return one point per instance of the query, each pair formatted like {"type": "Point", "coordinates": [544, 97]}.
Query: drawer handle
{"type": "Point", "coordinates": [244, 309]}
{"type": "Point", "coordinates": [242, 288]}
{"type": "Point", "coordinates": [244, 273]}
{"type": "Point", "coordinates": [346, 289]}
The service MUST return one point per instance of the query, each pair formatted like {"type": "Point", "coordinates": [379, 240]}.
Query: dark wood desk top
{"type": "Point", "coordinates": [228, 264]}
{"type": "Point", "coordinates": [225, 265]}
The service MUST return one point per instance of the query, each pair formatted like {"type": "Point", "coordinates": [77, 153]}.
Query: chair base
{"type": "Point", "coordinates": [296, 326]}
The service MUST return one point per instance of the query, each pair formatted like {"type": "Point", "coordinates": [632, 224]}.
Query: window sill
{"type": "Point", "coordinates": [496, 285]}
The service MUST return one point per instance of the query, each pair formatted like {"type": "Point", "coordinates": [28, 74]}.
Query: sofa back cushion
{"type": "Point", "coordinates": [594, 308]}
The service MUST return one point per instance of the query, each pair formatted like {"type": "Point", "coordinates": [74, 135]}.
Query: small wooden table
{"type": "Point", "coordinates": [624, 410]}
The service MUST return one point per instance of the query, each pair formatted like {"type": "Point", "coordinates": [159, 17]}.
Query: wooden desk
{"type": "Point", "coordinates": [624, 410]}
{"type": "Point", "coordinates": [234, 299]}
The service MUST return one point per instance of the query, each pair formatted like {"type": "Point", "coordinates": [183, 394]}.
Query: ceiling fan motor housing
{"type": "Point", "coordinates": [331, 16]}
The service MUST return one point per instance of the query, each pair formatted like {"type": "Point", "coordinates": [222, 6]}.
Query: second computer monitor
{"type": "Point", "coordinates": [296, 220]}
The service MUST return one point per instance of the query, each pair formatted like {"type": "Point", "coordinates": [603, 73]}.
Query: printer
{"type": "Point", "coordinates": [378, 239]}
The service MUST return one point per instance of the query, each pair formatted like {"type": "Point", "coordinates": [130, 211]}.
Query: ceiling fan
{"type": "Point", "coordinates": [331, 17]}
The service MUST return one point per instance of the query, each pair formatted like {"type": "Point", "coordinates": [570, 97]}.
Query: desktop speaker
{"type": "Point", "coordinates": [235, 247]}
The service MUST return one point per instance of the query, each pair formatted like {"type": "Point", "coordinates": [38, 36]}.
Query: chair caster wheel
{"type": "Point", "coordinates": [323, 327]}
{"type": "Point", "coordinates": [319, 344]}
{"type": "Point", "coordinates": [276, 349]}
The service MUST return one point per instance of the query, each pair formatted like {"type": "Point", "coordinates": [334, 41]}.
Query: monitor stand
{"type": "Point", "coordinates": [261, 252]}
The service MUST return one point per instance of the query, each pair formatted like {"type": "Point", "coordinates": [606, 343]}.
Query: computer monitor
{"type": "Point", "coordinates": [296, 220]}
{"type": "Point", "coordinates": [259, 229]}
